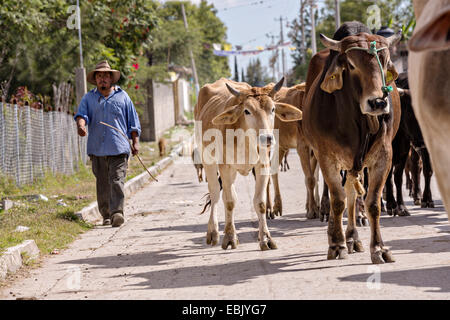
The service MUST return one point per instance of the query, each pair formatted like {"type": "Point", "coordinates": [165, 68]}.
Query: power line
{"type": "Point", "coordinates": [253, 3]}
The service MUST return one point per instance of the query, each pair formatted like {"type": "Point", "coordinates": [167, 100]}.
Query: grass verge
{"type": "Point", "coordinates": [51, 224]}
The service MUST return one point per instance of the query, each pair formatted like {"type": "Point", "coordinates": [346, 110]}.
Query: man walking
{"type": "Point", "coordinates": [108, 149]}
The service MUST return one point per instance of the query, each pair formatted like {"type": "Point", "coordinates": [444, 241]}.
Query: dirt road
{"type": "Point", "coordinates": [161, 253]}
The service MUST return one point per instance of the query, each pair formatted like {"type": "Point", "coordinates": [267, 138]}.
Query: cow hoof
{"type": "Point", "coordinates": [270, 214]}
{"type": "Point", "coordinates": [339, 252]}
{"type": "Point", "coordinates": [324, 210]}
{"type": "Point", "coordinates": [417, 202]}
{"type": "Point", "coordinates": [391, 212]}
{"type": "Point", "coordinates": [354, 246]}
{"type": "Point", "coordinates": [277, 209]}
{"type": "Point", "coordinates": [382, 256]}
{"type": "Point", "coordinates": [324, 217]}
{"type": "Point", "coordinates": [230, 240]}
{"type": "Point", "coordinates": [267, 245]}
{"type": "Point", "coordinates": [311, 215]}
{"type": "Point", "coordinates": [212, 238]}
{"type": "Point", "coordinates": [402, 212]}
{"type": "Point", "coordinates": [359, 221]}
{"type": "Point", "coordinates": [365, 222]}
{"type": "Point", "coordinates": [358, 246]}
{"type": "Point", "coordinates": [427, 204]}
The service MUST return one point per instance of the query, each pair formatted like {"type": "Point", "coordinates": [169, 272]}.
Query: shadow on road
{"type": "Point", "coordinates": [438, 277]}
{"type": "Point", "coordinates": [422, 245]}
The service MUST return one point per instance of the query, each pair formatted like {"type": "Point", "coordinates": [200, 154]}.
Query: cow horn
{"type": "Point", "coordinates": [403, 92]}
{"type": "Point", "coordinates": [276, 88]}
{"type": "Point", "coordinates": [330, 43]}
{"type": "Point", "coordinates": [394, 39]}
{"type": "Point", "coordinates": [233, 91]}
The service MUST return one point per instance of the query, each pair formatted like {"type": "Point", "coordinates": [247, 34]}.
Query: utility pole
{"type": "Point", "coordinates": [338, 14]}
{"type": "Point", "coordinates": [302, 27]}
{"type": "Point", "coordinates": [313, 28]}
{"type": "Point", "coordinates": [80, 73]}
{"type": "Point", "coordinates": [282, 49]}
{"type": "Point", "coordinates": [194, 69]}
{"type": "Point", "coordinates": [274, 56]}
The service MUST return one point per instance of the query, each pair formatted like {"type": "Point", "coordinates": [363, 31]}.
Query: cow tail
{"type": "Point", "coordinates": [208, 197]}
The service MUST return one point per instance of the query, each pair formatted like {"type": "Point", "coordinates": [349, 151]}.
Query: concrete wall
{"type": "Point", "coordinates": [160, 112]}
{"type": "Point", "coordinates": [163, 107]}
{"type": "Point", "coordinates": [183, 95]}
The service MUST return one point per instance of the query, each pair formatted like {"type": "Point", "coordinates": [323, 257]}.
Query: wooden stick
{"type": "Point", "coordinates": [131, 146]}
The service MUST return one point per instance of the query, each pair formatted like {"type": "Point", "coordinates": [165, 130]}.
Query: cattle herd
{"type": "Point", "coordinates": [356, 119]}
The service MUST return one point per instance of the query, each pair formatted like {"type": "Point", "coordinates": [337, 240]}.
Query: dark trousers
{"type": "Point", "coordinates": [110, 173]}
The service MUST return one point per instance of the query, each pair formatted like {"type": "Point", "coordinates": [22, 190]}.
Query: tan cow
{"type": "Point", "coordinates": [291, 136]}
{"type": "Point", "coordinates": [429, 70]}
{"type": "Point", "coordinates": [225, 108]}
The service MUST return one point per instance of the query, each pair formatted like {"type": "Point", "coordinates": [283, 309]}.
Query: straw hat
{"type": "Point", "coordinates": [103, 66]}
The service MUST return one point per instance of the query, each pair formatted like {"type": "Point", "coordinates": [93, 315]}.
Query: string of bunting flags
{"type": "Point", "coordinates": [227, 49]}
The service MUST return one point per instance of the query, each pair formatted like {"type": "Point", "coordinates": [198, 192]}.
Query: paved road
{"type": "Point", "coordinates": [160, 252]}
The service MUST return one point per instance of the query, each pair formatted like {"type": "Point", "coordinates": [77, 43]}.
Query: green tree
{"type": "Point", "coordinates": [115, 30]}
{"type": "Point", "coordinates": [397, 14]}
{"type": "Point", "coordinates": [256, 74]}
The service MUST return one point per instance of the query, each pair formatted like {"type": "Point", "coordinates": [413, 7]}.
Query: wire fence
{"type": "Point", "coordinates": [33, 142]}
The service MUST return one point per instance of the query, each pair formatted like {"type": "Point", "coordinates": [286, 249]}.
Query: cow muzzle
{"type": "Point", "coordinates": [267, 139]}
{"type": "Point", "coordinates": [376, 106]}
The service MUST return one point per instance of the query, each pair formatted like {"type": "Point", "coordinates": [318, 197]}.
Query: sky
{"type": "Point", "coordinates": [249, 22]}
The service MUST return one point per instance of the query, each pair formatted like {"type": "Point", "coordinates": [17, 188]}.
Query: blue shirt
{"type": "Point", "coordinates": [116, 110]}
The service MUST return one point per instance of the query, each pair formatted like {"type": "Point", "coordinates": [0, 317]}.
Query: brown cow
{"type": "Point", "coordinates": [226, 109]}
{"type": "Point", "coordinates": [350, 117]}
{"type": "Point", "coordinates": [291, 136]}
{"type": "Point", "coordinates": [429, 69]}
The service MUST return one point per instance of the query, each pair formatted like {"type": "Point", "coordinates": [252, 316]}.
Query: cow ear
{"type": "Point", "coordinates": [229, 116]}
{"type": "Point", "coordinates": [391, 74]}
{"type": "Point", "coordinates": [333, 79]}
{"type": "Point", "coordinates": [286, 112]}
{"type": "Point", "coordinates": [434, 35]}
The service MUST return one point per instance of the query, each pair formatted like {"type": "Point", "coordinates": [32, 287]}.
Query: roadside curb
{"type": "Point", "coordinates": [11, 260]}
{"type": "Point", "coordinates": [91, 214]}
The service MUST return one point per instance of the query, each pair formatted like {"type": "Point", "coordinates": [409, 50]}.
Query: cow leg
{"type": "Point", "coordinates": [361, 218]}
{"type": "Point", "coordinates": [336, 238]}
{"type": "Point", "coordinates": [351, 234]}
{"type": "Point", "coordinates": [278, 206]}
{"type": "Point", "coordinates": [391, 204]}
{"type": "Point", "coordinates": [427, 199]}
{"type": "Point", "coordinates": [408, 174]}
{"type": "Point", "coordinates": [377, 177]}
{"type": "Point", "coordinates": [325, 203]}
{"type": "Point", "coordinates": [304, 152]}
{"type": "Point", "coordinates": [269, 206]}
{"type": "Point", "coordinates": [229, 198]}
{"type": "Point", "coordinates": [398, 178]}
{"type": "Point", "coordinates": [259, 202]}
{"type": "Point", "coordinates": [415, 170]}
{"type": "Point", "coordinates": [315, 169]}
{"type": "Point", "coordinates": [212, 236]}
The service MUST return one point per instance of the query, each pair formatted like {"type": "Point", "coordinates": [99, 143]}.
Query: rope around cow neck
{"type": "Point", "coordinates": [374, 51]}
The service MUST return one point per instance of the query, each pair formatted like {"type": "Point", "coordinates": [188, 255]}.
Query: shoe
{"type": "Point", "coordinates": [117, 220]}
{"type": "Point", "coordinates": [106, 221]}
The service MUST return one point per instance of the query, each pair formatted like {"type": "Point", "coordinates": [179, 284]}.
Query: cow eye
{"type": "Point", "coordinates": [273, 109]}
{"type": "Point", "coordinates": [246, 112]}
